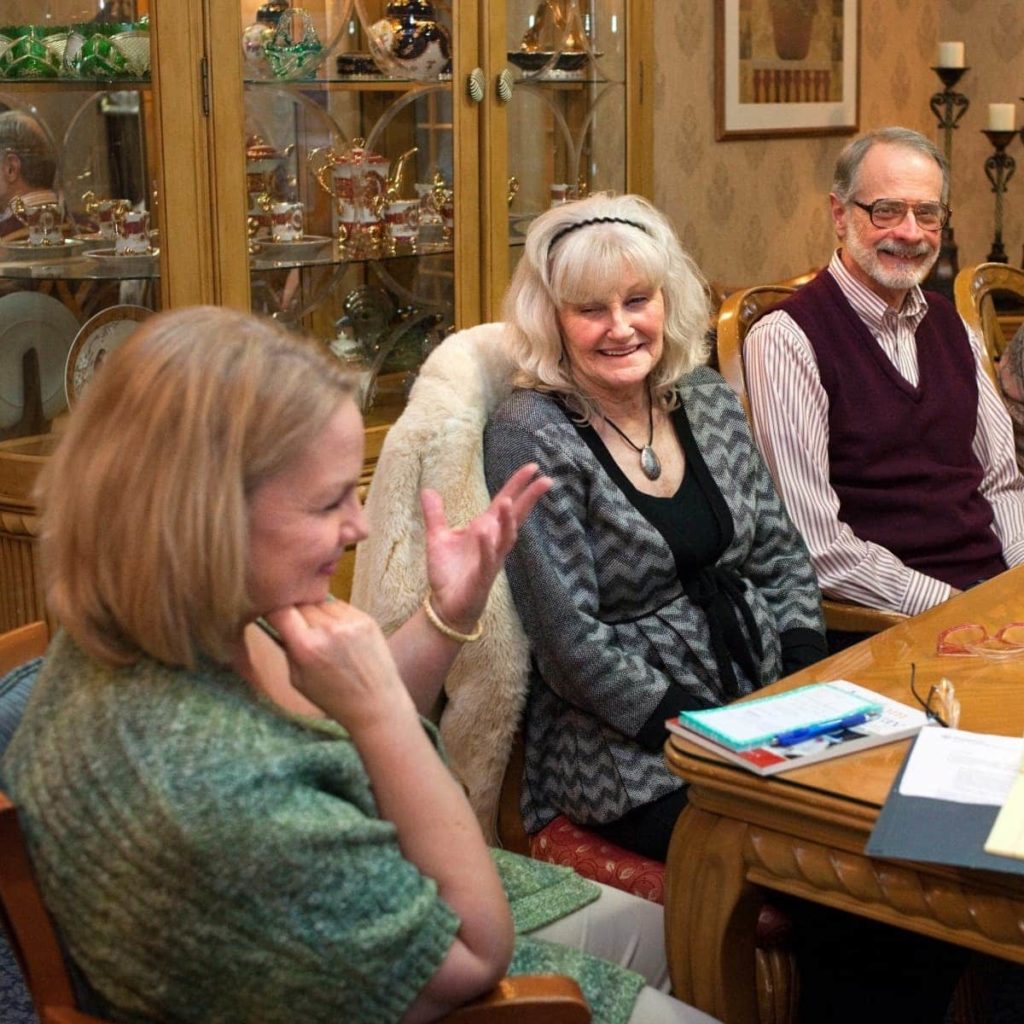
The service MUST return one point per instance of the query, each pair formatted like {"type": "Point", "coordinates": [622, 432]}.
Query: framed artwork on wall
{"type": "Point", "coordinates": [785, 67]}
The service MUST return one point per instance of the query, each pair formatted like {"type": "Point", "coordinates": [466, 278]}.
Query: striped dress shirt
{"type": "Point", "coordinates": [790, 413]}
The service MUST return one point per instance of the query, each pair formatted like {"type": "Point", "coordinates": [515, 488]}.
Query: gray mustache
{"type": "Point", "coordinates": [899, 249]}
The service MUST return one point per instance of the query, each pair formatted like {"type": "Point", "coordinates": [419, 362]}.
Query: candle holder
{"type": "Point", "coordinates": [999, 168]}
{"type": "Point", "coordinates": [948, 107]}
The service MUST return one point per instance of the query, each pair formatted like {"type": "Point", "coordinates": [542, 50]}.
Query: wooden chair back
{"type": "Point", "coordinates": [22, 644]}
{"type": "Point", "coordinates": [527, 999]}
{"type": "Point", "coordinates": [511, 834]}
{"type": "Point", "coordinates": [738, 314]}
{"type": "Point", "coordinates": [974, 290]}
{"type": "Point", "coordinates": [29, 929]}
{"type": "Point", "coordinates": [22, 913]}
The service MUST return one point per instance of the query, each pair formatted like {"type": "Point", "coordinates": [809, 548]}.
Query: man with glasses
{"type": "Point", "coordinates": [887, 439]}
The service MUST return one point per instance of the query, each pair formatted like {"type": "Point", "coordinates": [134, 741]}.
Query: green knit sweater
{"type": "Point", "coordinates": [209, 858]}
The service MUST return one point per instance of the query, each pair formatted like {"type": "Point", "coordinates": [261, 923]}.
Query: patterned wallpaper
{"type": "Point", "coordinates": [753, 211]}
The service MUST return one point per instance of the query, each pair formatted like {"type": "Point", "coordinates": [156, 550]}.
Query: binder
{"type": "Point", "coordinates": [936, 831]}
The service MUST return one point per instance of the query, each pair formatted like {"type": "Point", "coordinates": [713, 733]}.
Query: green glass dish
{"type": "Point", "coordinates": [32, 51]}
{"type": "Point", "coordinates": [106, 51]}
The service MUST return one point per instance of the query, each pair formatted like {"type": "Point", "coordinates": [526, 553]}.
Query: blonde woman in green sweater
{"type": "Point", "coordinates": [233, 804]}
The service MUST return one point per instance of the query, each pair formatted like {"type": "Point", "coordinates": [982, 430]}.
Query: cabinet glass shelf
{"type": "Point", "coordinates": [78, 270]}
{"type": "Point", "coordinates": [368, 84]}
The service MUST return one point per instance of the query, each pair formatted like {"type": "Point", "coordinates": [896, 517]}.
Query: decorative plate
{"type": "Point", "coordinates": [100, 335]}
{"type": "Point", "coordinates": [31, 320]}
{"type": "Point", "coordinates": [534, 60]}
{"type": "Point", "coordinates": [25, 250]}
{"type": "Point", "coordinates": [307, 248]}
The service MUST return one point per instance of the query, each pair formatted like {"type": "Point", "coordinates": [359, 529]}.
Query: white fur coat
{"type": "Point", "coordinates": [438, 443]}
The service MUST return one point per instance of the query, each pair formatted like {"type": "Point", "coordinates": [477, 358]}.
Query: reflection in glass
{"type": "Point", "coordinates": [104, 158]}
{"type": "Point", "coordinates": [290, 42]}
{"type": "Point", "coordinates": [567, 117]}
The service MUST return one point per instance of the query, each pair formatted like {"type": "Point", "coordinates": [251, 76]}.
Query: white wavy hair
{"type": "Point", "coordinates": [578, 252]}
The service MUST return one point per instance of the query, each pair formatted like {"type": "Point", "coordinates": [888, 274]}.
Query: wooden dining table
{"type": "Point", "coordinates": [803, 832]}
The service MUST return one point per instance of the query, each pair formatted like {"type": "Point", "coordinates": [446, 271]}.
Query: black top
{"type": "Point", "coordinates": [696, 524]}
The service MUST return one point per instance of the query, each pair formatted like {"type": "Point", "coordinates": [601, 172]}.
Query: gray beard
{"type": "Point", "coordinates": [897, 280]}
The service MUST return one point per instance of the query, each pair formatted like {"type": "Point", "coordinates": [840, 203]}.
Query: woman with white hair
{"type": "Point", "coordinates": [661, 572]}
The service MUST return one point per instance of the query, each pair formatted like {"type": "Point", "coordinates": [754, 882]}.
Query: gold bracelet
{"type": "Point", "coordinates": [442, 627]}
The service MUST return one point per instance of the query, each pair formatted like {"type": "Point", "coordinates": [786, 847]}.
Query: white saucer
{"type": "Point", "coordinates": [134, 261]}
{"type": "Point", "coordinates": [25, 250]}
{"type": "Point", "coordinates": [93, 241]}
{"type": "Point", "coordinates": [306, 248]}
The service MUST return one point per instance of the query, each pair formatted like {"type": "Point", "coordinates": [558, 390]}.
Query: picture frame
{"type": "Point", "coordinates": [786, 67]}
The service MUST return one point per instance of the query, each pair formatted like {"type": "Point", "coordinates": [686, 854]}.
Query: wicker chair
{"type": "Point", "coordinates": [975, 290]}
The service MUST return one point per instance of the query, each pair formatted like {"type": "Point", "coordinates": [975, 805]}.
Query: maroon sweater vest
{"type": "Point", "coordinates": [900, 457]}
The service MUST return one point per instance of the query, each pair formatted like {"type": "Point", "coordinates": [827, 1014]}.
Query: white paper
{"type": "Point", "coordinates": [966, 767]}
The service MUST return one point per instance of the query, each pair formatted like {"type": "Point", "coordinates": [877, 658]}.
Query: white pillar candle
{"type": "Point", "coordinates": [951, 55]}
{"type": "Point", "coordinates": [1002, 117]}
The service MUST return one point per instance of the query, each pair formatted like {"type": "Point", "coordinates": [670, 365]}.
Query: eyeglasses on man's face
{"type": "Point", "coordinates": [890, 213]}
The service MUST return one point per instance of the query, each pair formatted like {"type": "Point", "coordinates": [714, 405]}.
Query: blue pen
{"type": "Point", "coordinates": [808, 732]}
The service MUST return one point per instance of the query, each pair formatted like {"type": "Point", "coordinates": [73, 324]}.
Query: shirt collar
{"type": "Point", "coordinates": [871, 308]}
{"type": "Point", "coordinates": [33, 197]}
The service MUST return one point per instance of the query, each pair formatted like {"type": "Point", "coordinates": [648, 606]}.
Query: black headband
{"type": "Point", "coordinates": [569, 228]}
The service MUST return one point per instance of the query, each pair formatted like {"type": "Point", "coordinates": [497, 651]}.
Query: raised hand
{"type": "Point", "coordinates": [462, 563]}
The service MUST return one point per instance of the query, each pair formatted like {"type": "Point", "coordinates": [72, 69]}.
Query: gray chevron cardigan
{"type": "Point", "coordinates": [616, 644]}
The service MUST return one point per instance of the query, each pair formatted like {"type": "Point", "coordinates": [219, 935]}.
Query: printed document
{"type": "Point", "coordinates": [965, 767]}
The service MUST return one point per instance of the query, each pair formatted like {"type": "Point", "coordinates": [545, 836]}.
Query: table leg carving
{"type": "Point", "coordinates": [711, 917]}
{"type": "Point", "coordinates": [778, 985]}
{"type": "Point", "coordinates": [934, 905]}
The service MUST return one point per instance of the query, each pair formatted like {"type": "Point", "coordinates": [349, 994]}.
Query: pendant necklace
{"type": "Point", "coordinates": [650, 464]}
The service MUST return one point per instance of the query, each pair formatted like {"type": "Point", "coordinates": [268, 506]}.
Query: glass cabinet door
{"type": "Point", "coordinates": [567, 120]}
{"type": "Point", "coordinates": [389, 153]}
{"type": "Point", "coordinates": [573, 114]}
{"type": "Point", "coordinates": [84, 226]}
{"type": "Point", "coordinates": [351, 180]}
{"type": "Point", "coordinates": [79, 201]}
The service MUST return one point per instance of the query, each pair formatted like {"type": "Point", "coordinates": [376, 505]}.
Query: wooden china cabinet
{"type": "Point", "coordinates": [419, 138]}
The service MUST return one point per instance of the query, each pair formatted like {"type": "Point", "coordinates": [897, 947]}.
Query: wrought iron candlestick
{"type": "Point", "coordinates": [949, 107]}
{"type": "Point", "coordinates": [999, 168]}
